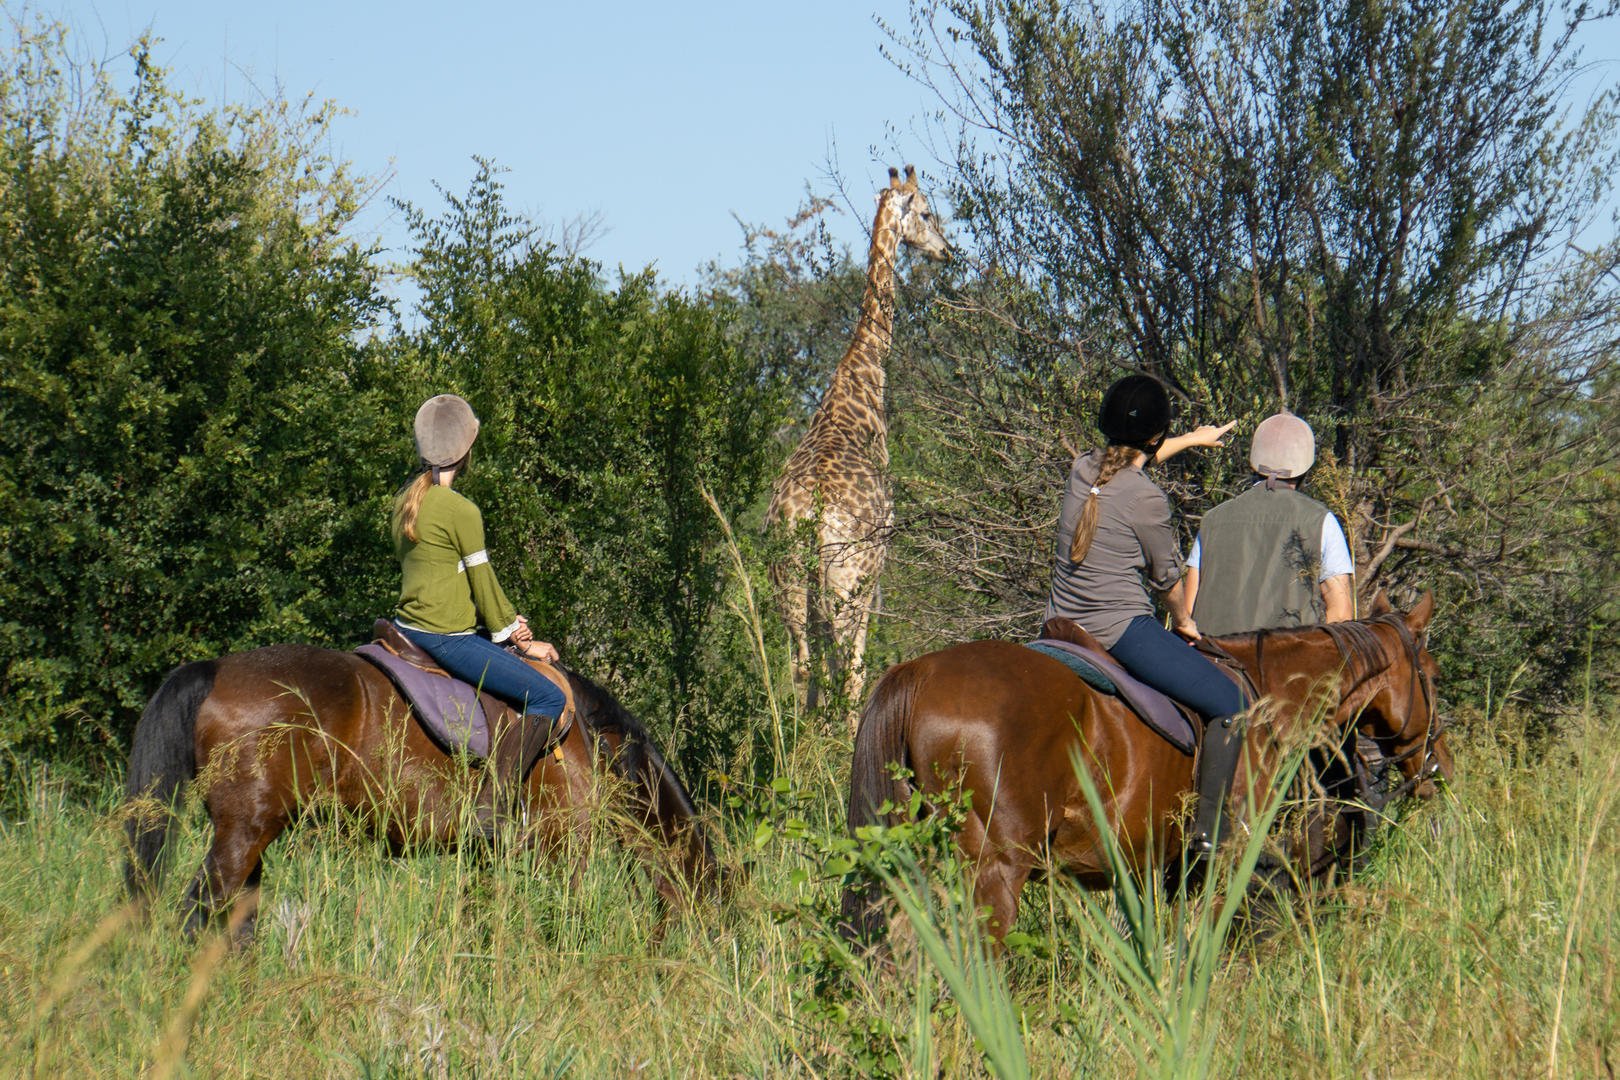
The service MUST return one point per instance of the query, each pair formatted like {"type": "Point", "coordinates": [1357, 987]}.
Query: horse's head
{"type": "Point", "coordinates": [1398, 706]}
{"type": "Point", "coordinates": [659, 800]}
{"type": "Point", "coordinates": [1374, 673]}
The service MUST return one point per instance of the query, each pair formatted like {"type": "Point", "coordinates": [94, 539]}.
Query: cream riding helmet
{"type": "Point", "coordinates": [1284, 447]}
{"type": "Point", "coordinates": [445, 430]}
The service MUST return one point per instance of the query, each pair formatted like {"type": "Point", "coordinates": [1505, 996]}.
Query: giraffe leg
{"type": "Point", "coordinates": [855, 669]}
{"type": "Point", "coordinates": [796, 614]}
{"type": "Point", "coordinates": [850, 582]}
{"type": "Point", "coordinates": [791, 584]}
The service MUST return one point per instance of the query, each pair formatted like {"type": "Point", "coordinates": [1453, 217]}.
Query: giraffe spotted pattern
{"type": "Point", "coordinates": [835, 484]}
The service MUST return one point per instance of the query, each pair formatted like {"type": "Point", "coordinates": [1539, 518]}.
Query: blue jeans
{"type": "Point", "coordinates": [475, 659]}
{"type": "Point", "coordinates": [1167, 663]}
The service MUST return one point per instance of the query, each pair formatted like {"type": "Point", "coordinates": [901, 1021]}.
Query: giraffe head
{"type": "Point", "coordinates": [915, 221]}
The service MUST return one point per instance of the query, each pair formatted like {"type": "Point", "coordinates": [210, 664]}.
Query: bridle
{"type": "Point", "coordinates": [1365, 656]}
{"type": "Point", "coordinates": [1359, 646]}
{"type": "Point", "coordinates": [1430, 767]}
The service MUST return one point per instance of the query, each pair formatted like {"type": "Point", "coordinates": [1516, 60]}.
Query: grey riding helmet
{"type": "Point", "coordinates": [445, 430]}
{"type": "Point", "coordinates": [1283, 446]}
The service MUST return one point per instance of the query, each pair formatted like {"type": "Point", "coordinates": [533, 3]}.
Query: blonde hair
{"type": "Point", "coordinates": [1115, 458]}
{"type": "Point", "coordinates": [408, 503]}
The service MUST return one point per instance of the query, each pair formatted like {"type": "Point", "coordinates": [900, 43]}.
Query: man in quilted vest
{"type": "Point", "coordinates": [1271, 557]}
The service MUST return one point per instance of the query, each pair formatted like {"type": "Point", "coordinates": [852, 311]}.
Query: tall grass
{"type": "Point", "coordinates": [1481, 941]}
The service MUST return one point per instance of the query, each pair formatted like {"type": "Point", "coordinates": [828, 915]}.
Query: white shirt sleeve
{"type": "Point", "coordinates": [1335, 551]}
{"type": "Point", "coordinates": [1196, 555]}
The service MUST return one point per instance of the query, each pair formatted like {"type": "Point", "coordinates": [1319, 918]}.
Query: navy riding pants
{"type": "Point", "coordinates": [1166, 662]}
{"type": "Point", "coordinates": [475, 659]}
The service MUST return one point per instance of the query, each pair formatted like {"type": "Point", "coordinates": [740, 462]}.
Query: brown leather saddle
{"type": "Point", "coordinates": [1153, 706]}
{"type": "Point", "coordinates": [515, 742]}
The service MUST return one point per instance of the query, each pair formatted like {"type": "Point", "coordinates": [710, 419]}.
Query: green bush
{"type": "Point", "coordinates": [183, 408]}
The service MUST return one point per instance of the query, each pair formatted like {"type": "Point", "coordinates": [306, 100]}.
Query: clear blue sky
{"type": "Point", "coordinates": [665, 119]}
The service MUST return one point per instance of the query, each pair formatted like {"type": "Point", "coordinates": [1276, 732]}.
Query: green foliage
{"type": "Point", "coordinates": [1358, 212]}
{"type": "Point", "coordinates": [1479, 941]}
{"type": "Point", "coordinates": [178, 311]}
{"type": "Point", "coordinates": [912, 858]}
{"type": "Point", "coordinates": [607, 413]}
{"type": "Point", "coordinates": [792, 302]}
{"type": "Point", "coordinates": [204, 422]}
{"type": "Point", "coordinates": [949, 934]}
{"type": "Point", "coordinates": [1158, 967]}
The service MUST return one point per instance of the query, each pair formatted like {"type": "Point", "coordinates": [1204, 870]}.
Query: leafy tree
{"type": "Point", "coordinates": [184, 410]}
{"type": "Point", "coordinates": [793, 301]}
{"type": "Point", "coordinates": [1361, 212]}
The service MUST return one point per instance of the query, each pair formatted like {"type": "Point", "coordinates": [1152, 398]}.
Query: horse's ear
{"type": "Point", "coordinates": [1380, 604]}
{"type": "Point", "coordinates": [1417, 620]}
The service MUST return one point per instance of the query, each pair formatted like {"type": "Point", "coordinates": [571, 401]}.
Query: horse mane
{"type": "Point", "coordinates": [1363, 653]}
{"type": "Point", "coordinates": [638, 758]}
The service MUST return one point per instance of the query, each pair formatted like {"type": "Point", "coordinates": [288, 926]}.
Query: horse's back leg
{"type": "Point", "coordinates": [1000, 881]}
{"type": "Point", "coordinates": [244, 826]}
{"type": "Point", "coordinates": [1002, 856]}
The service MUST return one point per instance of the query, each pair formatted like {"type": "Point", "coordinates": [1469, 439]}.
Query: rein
{"type": "Point", "coordinates": [1360, 648]}
{"type": "Point", "coordinates": [1234, 669]}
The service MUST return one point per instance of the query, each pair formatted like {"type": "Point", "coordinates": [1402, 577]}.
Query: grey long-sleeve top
{"type": "Point", "coordinates": [1133, 550]}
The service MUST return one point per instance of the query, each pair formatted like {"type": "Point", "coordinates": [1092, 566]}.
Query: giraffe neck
{"type": "Point", "coordinates": [859, 378]}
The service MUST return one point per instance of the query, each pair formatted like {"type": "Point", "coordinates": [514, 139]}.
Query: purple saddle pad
{"type": "Point", "coordinates": [1156, 710]}
{"type": "Point", "coordinates": [448, 708]}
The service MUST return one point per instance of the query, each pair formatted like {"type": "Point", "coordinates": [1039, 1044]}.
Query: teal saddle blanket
{"type": "Point", "coordinates": [1105, 675]}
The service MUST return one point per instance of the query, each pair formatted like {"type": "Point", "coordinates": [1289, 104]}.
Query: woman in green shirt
{"type": "Point", "coordinates": [449, 589]}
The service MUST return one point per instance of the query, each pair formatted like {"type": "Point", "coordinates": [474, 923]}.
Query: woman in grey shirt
{"type": "Point", "coordinates": [1114, 543]}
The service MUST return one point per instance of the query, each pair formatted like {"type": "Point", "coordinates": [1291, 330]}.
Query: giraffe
{"type": "Point", "coordinates": [836, 481]}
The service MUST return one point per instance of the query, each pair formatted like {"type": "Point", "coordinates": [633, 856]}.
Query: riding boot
{"type": "Point", "coordinates": [512, 757]}
{"type": "Point", "coordinates": [534, 735]}
{"type": "Point", "coordinates": [1217, 762]}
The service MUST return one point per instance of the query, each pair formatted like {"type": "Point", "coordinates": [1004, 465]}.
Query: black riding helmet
{"type": "Point", "coordinates": [1135, 411]}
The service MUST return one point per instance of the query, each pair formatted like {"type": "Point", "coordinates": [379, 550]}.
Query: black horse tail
{"type": "Point", "coordinates": [880, 747]}
{"type": "Point", "coordinates": [162, 759]}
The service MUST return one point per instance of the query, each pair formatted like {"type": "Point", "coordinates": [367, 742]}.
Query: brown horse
{"type": "Point", "coordinates": [270, 732]}
{"type": "Point", "coordinates": [1006, 722]}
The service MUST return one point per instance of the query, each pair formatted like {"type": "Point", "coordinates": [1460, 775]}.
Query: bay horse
{"type": "Point", "coordinates": [273, 731]}
{"type": "Point", "coordinates": [1007, 723]}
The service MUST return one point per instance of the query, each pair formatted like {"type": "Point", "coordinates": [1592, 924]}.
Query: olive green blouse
{"type": "Point", "coordinates": [449, 586]}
